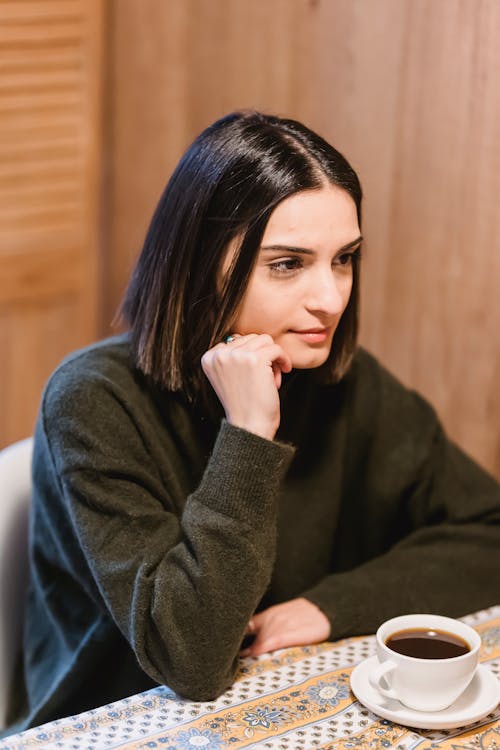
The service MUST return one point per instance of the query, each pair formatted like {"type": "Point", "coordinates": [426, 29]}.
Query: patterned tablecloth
{"type": "Point", "coordinates": [292, 699]}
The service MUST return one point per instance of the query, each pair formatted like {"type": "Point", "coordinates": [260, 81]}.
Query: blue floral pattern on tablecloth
{"type": "Point", "coordinates": [330, 693]}
{"type": "Point", "coordinates": [193, 739]}
{"type": "Point", "coordinates": [265, 716]}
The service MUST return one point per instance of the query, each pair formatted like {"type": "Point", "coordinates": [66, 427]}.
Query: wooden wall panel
{"type": "Point", "coordinates": [409, 91]}
{"type": "Point", "coordinates": [418, 110]}
{"type": "Point", "coordinates": [146, 125]}
{"type": "Point", "coordinates": [174, 67]}
{"type": "Point", "coordinates": [34, 336]}
{"type": "Point", "coordinates": [50, 171]}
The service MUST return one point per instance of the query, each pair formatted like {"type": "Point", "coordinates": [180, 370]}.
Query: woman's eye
{"type": "Point", "coordinates": [286, 265]}
{"type": "Point", "coordinates": [346, 259]}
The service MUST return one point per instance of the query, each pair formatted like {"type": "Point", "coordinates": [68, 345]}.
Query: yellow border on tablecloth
{"type": "Point", "coordinates": [486, 737]}
{"type": "Point", "coordinates": [489, 651]}
{"type": "Point", "coordinates": [296, 704]}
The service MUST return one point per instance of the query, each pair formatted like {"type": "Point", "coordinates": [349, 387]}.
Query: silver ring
{"type": "Point", "coordinates": [228, 339]}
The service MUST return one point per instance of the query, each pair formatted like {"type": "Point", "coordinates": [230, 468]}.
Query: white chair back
{"type": "Point", "coordinates": [15, 501]}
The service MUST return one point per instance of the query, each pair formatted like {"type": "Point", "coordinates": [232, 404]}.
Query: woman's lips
{"type": "Point", "coordinates": [313, 335]}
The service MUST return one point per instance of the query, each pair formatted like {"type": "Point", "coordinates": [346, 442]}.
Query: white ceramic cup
{"type": "Point", "coordinates": [424, 684]}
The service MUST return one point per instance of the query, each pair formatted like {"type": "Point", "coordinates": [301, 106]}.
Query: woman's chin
{"type": "Point", "coordinates": [309, 361]}
{"type": "Point", "coordinates": [304, 356]}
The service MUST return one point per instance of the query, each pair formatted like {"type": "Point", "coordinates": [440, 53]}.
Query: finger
{"type": "Point", "coordinates": [238, 340]}
{"type": "Point", "coordinates": [264, 343]}
{"type": "Point", "coordinates": [230, 338]}
{"type": "Point", "coordinates": [252, 343]}
{"type": "Point", "coordinates": [260, 341]}
{"type": "Point", "coordinates": [248, 639]}
{"type": "Point", "coordinates": [251, 340]}
{"type": "Point", "coordinates": [277, 375]}
{"type": "Point", "coordinates": [278, 357]}
{"type": "Point", "coordinates": [277, 638]}
{"type": "Point", "coordinates": [265, 645]}
{"type": "Point", "coordinates": [251, 627]}
{"type": "Point", "coordinates": [261, 344]}
{"type": "Point", "coordinates": [257, 646]}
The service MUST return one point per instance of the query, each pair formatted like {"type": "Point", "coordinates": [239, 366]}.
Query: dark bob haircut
{"type": "Point", "coordinates": [226, 185]}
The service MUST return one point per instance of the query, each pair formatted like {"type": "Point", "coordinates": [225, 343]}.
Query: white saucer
{"type": "Point", "coordinates": [481, 698]}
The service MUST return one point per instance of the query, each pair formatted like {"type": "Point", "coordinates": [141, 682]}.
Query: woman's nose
{"type": "Point", "coordinates": [328, 294]}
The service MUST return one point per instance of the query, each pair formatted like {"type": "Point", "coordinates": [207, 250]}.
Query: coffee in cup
{"type": "Point", "coordinates": [427, 643]}
{"type": "Point", "coordinates": [425, 661]}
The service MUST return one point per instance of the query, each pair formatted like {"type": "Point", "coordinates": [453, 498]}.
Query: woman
{"type": "Point", "coordinates": [233, 466]}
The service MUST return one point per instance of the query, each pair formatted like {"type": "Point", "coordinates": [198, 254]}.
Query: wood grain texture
{"type": "Point", "coordinates": [419, 113]}
{"type": "Point", "coordinates": [34, 336]}
{"type": "Point", "coordinates": [174, 67]}
{"type": "Point", "coordinates": [50, 173]}
{"type": "Point", "coordinates": [409, 92]}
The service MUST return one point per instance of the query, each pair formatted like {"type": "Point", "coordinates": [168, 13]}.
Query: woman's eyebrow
{"type": "Point", "coordinates": [307, 251]}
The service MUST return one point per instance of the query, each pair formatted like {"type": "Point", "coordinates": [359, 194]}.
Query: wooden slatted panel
{"type": "Point", "coordinates": [50, 68]}
{"type": "Point", "coordinates": [32, 159]}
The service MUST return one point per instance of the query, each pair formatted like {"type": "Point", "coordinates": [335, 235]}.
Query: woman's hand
{"type": "Point", "coordinates": [297, 622]}
{"type": "Point", "coordinates": [246, 376]}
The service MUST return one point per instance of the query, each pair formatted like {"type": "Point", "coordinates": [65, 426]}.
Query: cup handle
{"type": "Point", "coordinates": [379, 675]}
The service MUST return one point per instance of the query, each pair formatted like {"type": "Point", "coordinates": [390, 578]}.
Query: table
{"type": "Point", "coordinates": [293, 699]}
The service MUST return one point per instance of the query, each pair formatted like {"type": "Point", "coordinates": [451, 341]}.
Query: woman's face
{"type": "Point", "coordinates": [302, 279]}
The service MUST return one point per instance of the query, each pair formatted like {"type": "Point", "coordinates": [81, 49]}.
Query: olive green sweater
{"type": "Point", "coordinates": [156, 534]}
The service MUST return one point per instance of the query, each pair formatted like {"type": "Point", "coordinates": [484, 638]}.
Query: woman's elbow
{"type": "Point", "coordinates": [201, 680]}
{"type": "Point", "coordinates": [199, 691]}
{"type": "Point", "coordinates": [200, 685]}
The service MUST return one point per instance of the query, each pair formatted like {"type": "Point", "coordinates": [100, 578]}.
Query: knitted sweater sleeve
{"type": "Point", "coordinates": [180, 583]}
{"type": "Point", "coordinates": [422, 516]}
